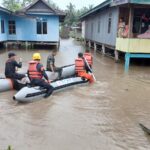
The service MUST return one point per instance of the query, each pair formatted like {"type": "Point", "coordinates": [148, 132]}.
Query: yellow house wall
{"type": "Point", "coordinates": [133, 45]}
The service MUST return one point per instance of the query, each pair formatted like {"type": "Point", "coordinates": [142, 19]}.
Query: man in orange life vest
{"type": "Point", "coordinates": [81, 68]}
{"type": "Point", "coordinates": [36, 72]}
{"type": "Point", "coordinates": [88, 57]}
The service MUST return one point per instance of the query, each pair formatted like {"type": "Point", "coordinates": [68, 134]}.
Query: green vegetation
{"type": "Point", "coordinates": [71, 19]}
{"type": "Point", "coordinates": [15, 5]}
{"type": "Point", "coordinates": [9, 148]}
{"type": "Point", "coordinates": [72, 14]}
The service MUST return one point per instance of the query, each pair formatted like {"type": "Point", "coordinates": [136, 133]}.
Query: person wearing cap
{"type": "Point", "coordinates": [10, 67]}
{"type": "Point", "coordinates": [36, 72]}
{"type": "Point", "coordinates": [51, 64]}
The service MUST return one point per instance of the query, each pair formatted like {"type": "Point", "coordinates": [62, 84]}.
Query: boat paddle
{"type": "Point", "coordinates": [145, 129]}
{"type": "Point", "coordinates": [89, 68]}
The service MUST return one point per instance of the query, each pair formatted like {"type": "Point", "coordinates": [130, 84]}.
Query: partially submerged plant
{"type": "Point", "coordinates": [9, 148]}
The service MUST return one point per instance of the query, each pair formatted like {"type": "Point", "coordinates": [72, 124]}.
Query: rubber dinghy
{"type": "Point", "coordinates": [29, 94]}
{"type": "Point", "coordinates": [5, 84]}
{"type": "Point", "coordinates": [67, 71]}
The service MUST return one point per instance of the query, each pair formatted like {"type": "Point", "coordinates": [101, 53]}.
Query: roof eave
{"type": "Point", "coordinates": [92, 11]}
{"type": "Point", "coordinates": [5, 10]}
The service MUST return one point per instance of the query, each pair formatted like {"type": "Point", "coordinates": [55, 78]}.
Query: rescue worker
{"type": "Point", "coordinates": [88, 57]}
{"type": "Point", "coordinates": [51, 64]}
{"type": "Point", "coordinates": [81, 68]}
{"type": "Point", "coordinates": [10, 67]}
{"type": "Point", "coordinates": [36, 72]}
{"type": "Point", "coordinates": [18, 80]}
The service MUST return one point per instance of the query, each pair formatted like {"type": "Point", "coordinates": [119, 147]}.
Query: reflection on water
{"type": "Point", "coordinates": [103, 116]}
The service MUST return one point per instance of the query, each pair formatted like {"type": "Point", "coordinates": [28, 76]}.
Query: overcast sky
{"type": "Point", "coordinates": [78, 3]}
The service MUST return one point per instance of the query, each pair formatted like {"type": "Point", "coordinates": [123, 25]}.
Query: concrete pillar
{"type": "Point", "coordinates": [127, 61]}
{"type": "Point", "coordinates": [116, 56]}
{"type": "Point", "coordinates": [103, 49]}
{"type": "Point", "coordinates": [95, 46]}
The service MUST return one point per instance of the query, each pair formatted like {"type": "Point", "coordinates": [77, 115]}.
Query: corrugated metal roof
{"type": "Point", "coordinates": [110, 3]}
{"type": "Point", "coordinates": [100, 6]}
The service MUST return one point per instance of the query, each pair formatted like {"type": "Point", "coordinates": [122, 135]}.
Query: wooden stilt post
{"type": "Point", "coordinates": [103, 49]}
{"type": "Point", "coordinates": [84, 42]}
{"type": "Point", "coordinates": [116, 56]}
{"type": "Point", "coordinates": [26, 43]}
{"type": "Point", "coordinates": [6, 45]}
{"type": "Point", "coordinates": [89, 44]}
{"type": "Point", "coordinates": [127, 62]}
{"type": "Point", "coordinates": [95, 46]}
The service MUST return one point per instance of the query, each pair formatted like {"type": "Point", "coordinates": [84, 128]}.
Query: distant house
{"type": "Point", "coordinates": [4, 13]}
{"type": "Point", "coordinates": [100, 27]}
{"type": "Point", "coordinates": [37, 23]}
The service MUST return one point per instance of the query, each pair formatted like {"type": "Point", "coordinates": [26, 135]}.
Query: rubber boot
{"type": "Point", "coordinates": [48, 93]}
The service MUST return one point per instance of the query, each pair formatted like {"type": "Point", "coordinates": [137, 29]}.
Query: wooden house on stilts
{"type": "Point", "coordinates": [36, 24]}
{"type": "Point", "coordinates": [120, 25]}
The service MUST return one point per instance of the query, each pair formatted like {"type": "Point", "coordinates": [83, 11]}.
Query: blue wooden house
{"type": "Point", "coordinates": [100, 28]}
{"type": "Point", "coordinates": [37, 24]}
{"type": "Point", "coordinates": [4, 13]}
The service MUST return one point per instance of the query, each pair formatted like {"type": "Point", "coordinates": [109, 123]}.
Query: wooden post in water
{"type": "Point", "coordinates": [116, 56]}
{"type": "Point", "coordinates": [89, 44]}
{"type": "Point", "coordinates": [103, 49]}
{"type": "Point", "coordinates": [6, 45]}
{"type": "Point", "coordinates": [26, 43]}
{"type": "Point", "coordinates": [95, 46]}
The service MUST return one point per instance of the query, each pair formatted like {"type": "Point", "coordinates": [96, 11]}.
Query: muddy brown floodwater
{"type": "Point", "coordinates": [103, 116]}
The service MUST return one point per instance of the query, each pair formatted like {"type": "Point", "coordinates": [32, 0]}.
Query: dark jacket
{"type": "Point", "coordinates": [10, 67]}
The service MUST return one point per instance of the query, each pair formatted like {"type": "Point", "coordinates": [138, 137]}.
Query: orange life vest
{"type": "Point", "coordinates": [89, 58]}
{"type": "Point", "coordinates": [33, 72]}
{"type": "Point", "coordinates": [79, 65]}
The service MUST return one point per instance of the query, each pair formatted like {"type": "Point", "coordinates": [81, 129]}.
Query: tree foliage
{"type": "Point", "coordinates": [72, 14]}
{"type": "Point", "coordinates": [12, 5]}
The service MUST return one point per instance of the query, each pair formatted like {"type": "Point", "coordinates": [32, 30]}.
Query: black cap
{"type": "Point", "coordinates": [11, 54]}
{"type": "Point", "coordinates": [80, 55]}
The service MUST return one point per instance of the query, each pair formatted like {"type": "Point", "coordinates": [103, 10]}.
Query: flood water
{"type": "Point", "coordinates": [103, 116]}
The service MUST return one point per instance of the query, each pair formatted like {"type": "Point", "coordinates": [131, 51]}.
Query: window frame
{"type": "Point", "coordinates": [12, 27]}
{"type": "Point", "coordinates": [41, 30]}
{"type": "Point", "coordinates": [109, 23]}
{"type": "Point", "coordinates": [2, 26]}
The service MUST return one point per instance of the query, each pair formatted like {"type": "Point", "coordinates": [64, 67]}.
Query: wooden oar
{"type": "Point", "coordinates": [89, 68]}
{"type": "Point", "coordinates": [145, 129]}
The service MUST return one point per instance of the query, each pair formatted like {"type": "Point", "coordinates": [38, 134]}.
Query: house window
{"type": "Point", "coordinates": [99, 26]}
{"type": "Point", "coordinates": [2, 26]}
{"type": "Point", "coordinates": [12, 27]}
{"type": "Point", "coordinates": [92, 26]}
{"type": "Point", "coordinates": [109, 23]}
{"type": "Point", "coordinates": [41, 27]}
